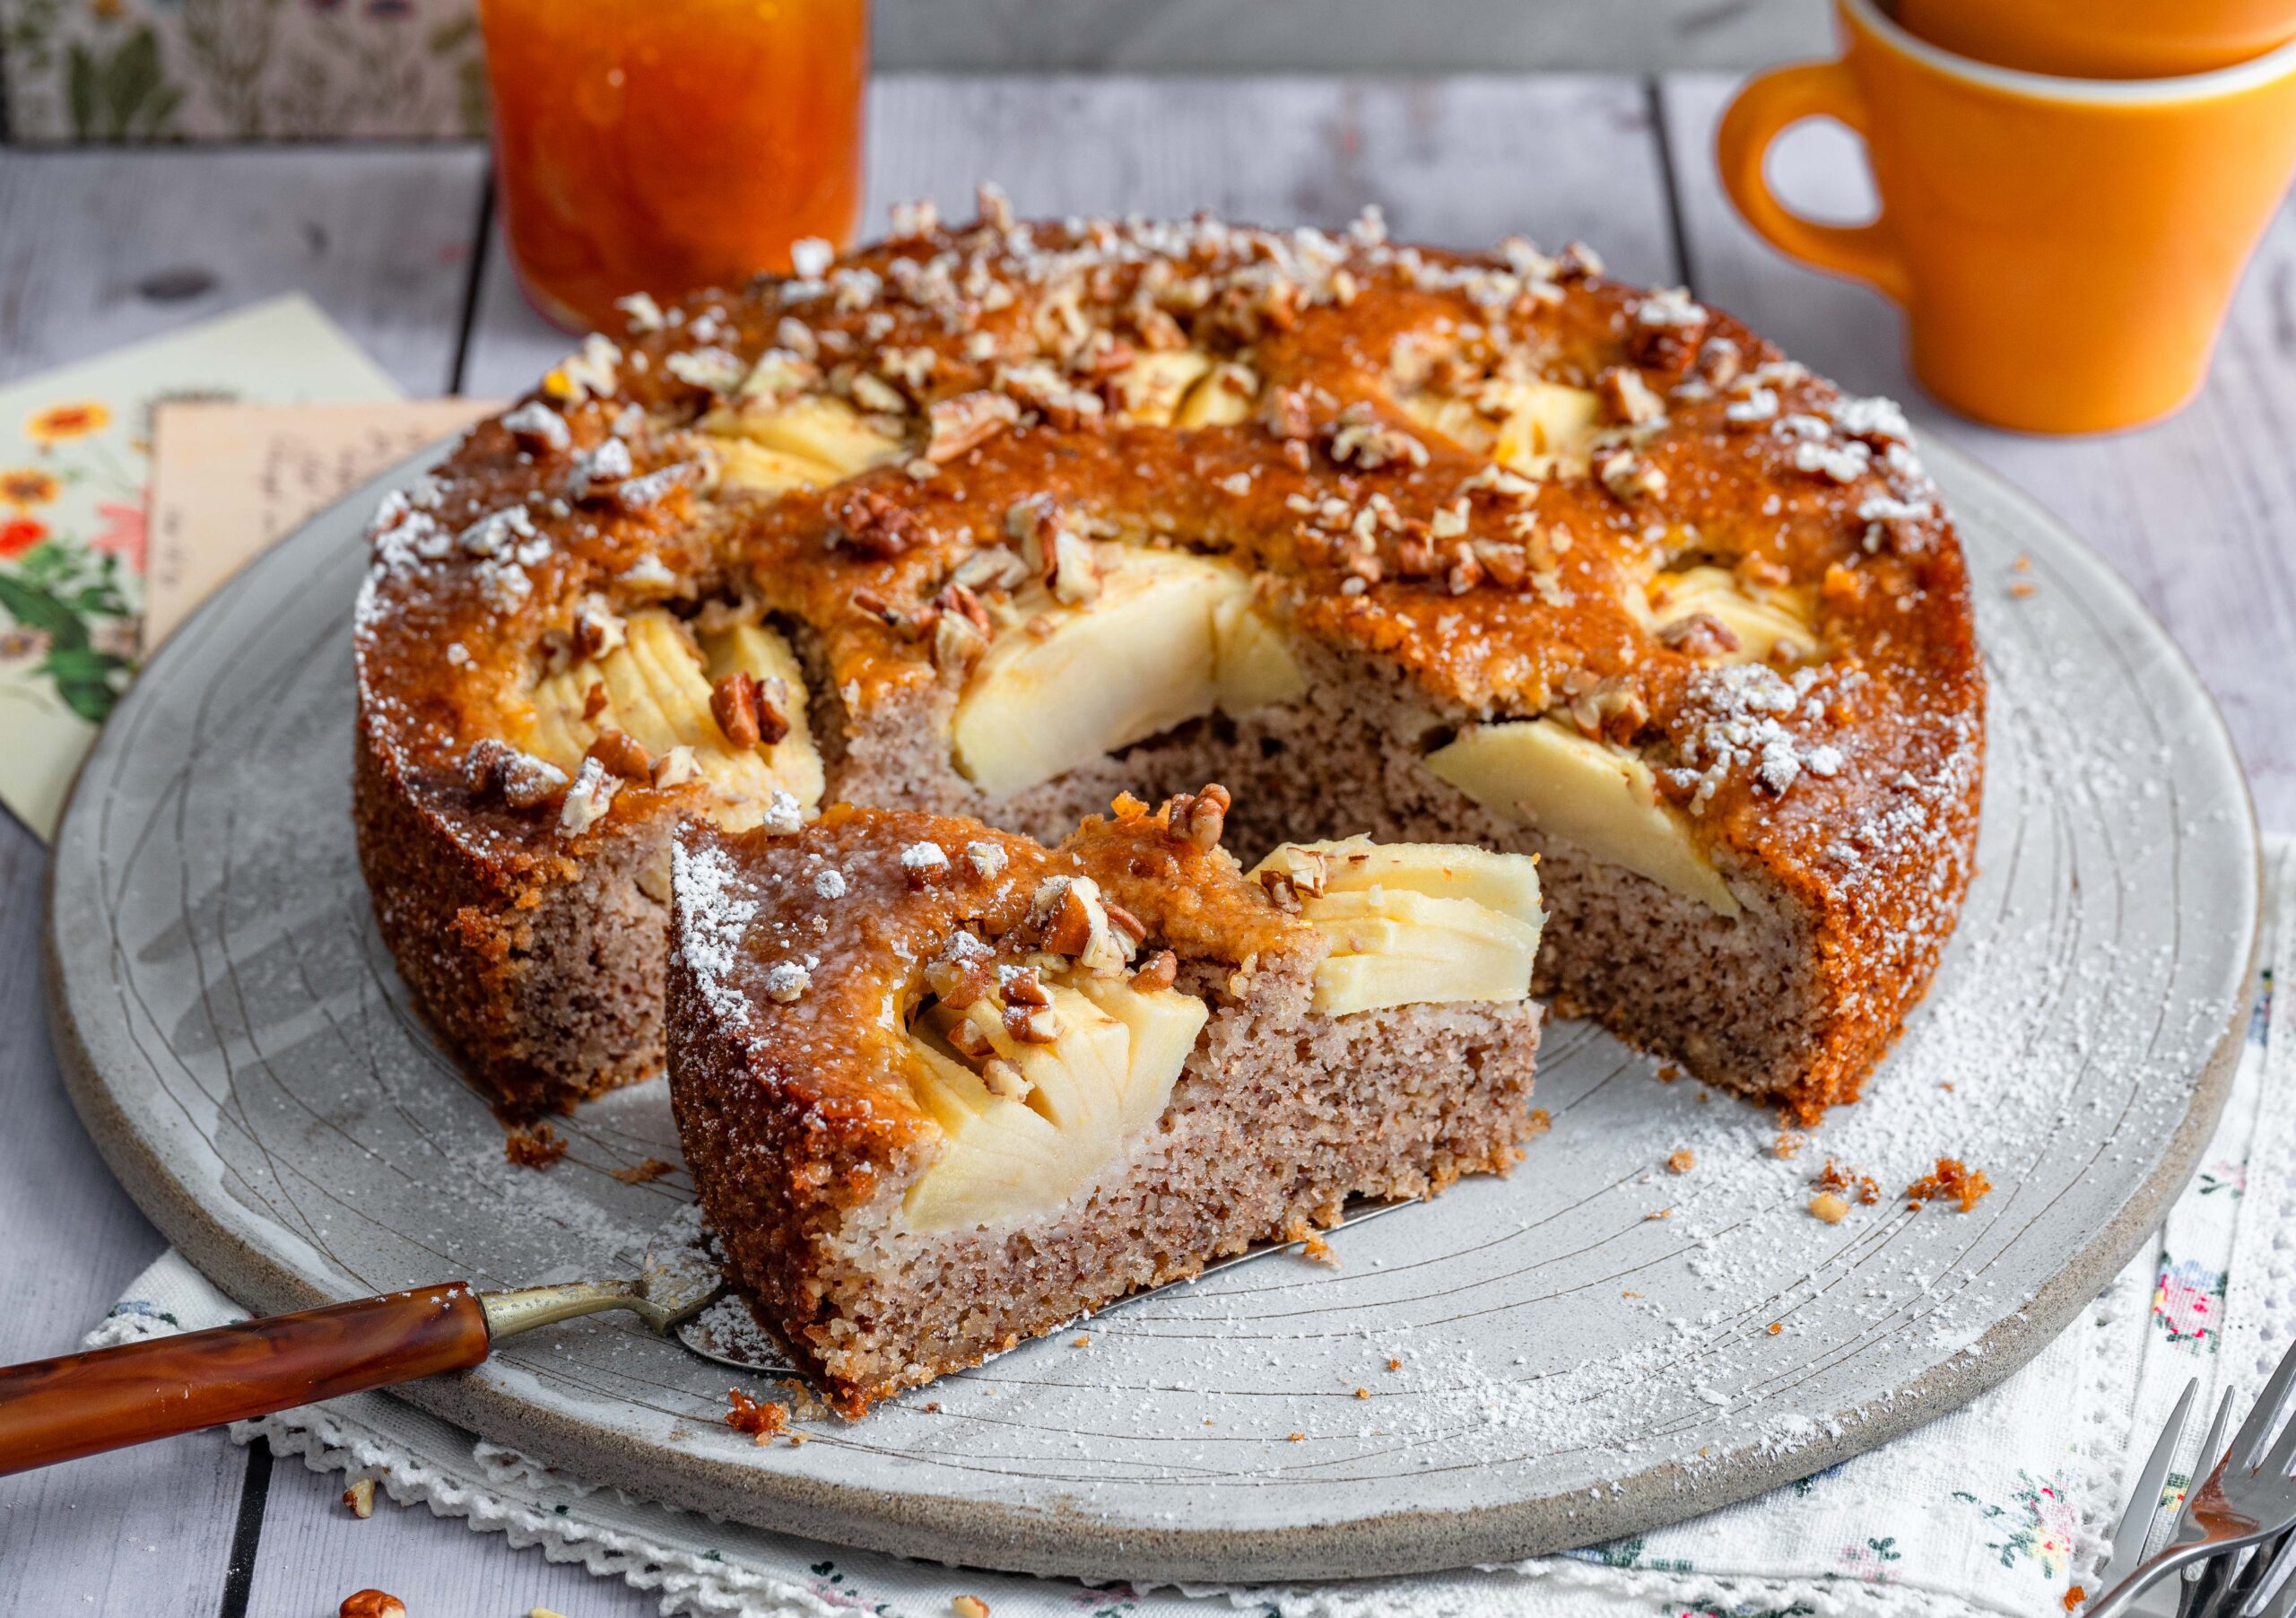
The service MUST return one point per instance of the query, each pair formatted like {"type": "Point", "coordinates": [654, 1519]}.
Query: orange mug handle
{"type": "Point", "coordinates": [1765, 107]}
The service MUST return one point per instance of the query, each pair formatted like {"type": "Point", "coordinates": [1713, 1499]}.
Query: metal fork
{"type": "Point", "coordinates": [2246, 1498]}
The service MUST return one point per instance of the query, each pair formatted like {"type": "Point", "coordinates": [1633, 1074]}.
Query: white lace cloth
{"type": "Point", "coordinates": [1995, 1508]}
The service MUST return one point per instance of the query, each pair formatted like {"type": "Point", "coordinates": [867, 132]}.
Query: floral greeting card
{"type": "Point", "coordinates": [75, 449]}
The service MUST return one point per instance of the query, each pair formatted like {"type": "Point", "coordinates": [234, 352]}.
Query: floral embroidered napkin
{"type": "Point", "coordinates": [1997, 1510]}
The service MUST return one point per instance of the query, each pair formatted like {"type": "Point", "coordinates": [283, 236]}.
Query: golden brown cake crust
{"type": "Point", "coordinates": [1846, 788]}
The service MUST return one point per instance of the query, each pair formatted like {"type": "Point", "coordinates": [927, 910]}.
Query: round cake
{"type": "Point", "coordinates": [1004, 520]}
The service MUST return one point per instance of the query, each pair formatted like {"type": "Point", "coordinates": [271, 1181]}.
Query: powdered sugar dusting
{"type": "Point", "coordinates": [714, 916]}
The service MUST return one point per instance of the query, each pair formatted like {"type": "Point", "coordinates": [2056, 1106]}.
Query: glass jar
{"type": "Point", "coordinates": [660, 145]}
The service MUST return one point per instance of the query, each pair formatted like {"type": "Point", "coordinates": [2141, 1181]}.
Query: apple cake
{"type": "Point", "coordinates": [998, 520]}
{"type": "Point", "coordinates": [943, 1088]}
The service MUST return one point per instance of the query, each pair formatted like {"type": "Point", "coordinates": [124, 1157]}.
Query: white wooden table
{"type": "Point", "coordinates": [99, 248]}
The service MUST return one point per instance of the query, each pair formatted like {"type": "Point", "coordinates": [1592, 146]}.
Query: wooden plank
{"type": "Point", "coordinates": [1457, 161]}
{"type": "Point", "coordinates": [315, 1552]}
{"type": "Point", "coordinates": [1341, 36]}
{"type": "Point", "coordinates": [2191, 510]}
{"type": "Point", "coordinates": [103, 248]}
{"type": "Point", "coordinates": [147, 1530]}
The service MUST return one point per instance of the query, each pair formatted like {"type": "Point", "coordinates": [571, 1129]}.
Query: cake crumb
{"type": "Point", "coordinates": [968, 1607]}
{"type": "Point", "coordinates": [761, 1420]}
{"type": "Point", "coordinates": [796, 1440]}
{"type": "Point", "coordinates": [1311, 1244]}
{"type": "Point", "coordinates": [1362, 1393]}
{"type": "Point", "coordinates": [1539, 1123]}
{"type": "Point", "coordinates": [1951, 1178]}
{"type": "Point", "coordinates": [1789, 1144]}
{"type": "Point", "coordinates": [360, 1498]}
{"type": "Point", "coordinates": [1680, 1161]}
{"type": "Point", "coordinates": [1081, 1340]}
{"type": "Point", "coordinates": [2074, 1595]}
{"type": "Point", "coordinates": [534, 1146]}
{"type": "Point", "coordinates": [1297, 1438]}
{"type": "Point", "coordinates": [1668, 1072]}
{"type": "Point", "coordinates": [1829, 1208]}
{"type": "Point", "coordinates": [1842, 1181]}
{"type": "Point", "coordinates": [639, 1174]}
{"type": "Point", "coordinates": [1394, 1364]}
{"type": "Point", "coordinates": [1661, 1214]}
{"type": "Point", "coordinates": [1775, 1328]}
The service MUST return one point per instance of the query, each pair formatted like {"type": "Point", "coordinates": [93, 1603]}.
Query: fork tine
{"type": "Point", "coordinates": [2135, 1523]}
{"type": "Point", "coordinates": [2264, 1421]}
{"type": "Point", "coordinates": [2276, 1594]}
{"type": "Point", "coordinates": [2274, 1564]}
{"type": "Point", "coordinates": [2211, 1454]}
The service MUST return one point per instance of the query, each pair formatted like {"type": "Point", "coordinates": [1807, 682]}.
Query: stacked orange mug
{"type": "Point", "coordinates": [2069, 188]}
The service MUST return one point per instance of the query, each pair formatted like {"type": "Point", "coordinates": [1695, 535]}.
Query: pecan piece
{"type": "Point", "coordinates": [749, 711]}
{"type": "Point", "coordinates": [1200, 817]}
{"type": "Point", "coordinates": [875, 524]}
{"type": "Point", "coordinates": [1157, 972]}
{"type": "Point", "coordinates": [1698, 635]}
{"type": "Point", "coordinates": [622, 753]}
{"type": "Point", "coordinates": [493, 768]}
{"type": "Point", "coordinates": [965, 423]}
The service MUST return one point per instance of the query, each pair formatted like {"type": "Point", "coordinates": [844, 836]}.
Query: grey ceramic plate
{"type": "Point", "coordinates": [1588, 1348]}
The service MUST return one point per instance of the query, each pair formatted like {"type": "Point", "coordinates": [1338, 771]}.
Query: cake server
{"type": "Point", "coordinates": [108, 1398]}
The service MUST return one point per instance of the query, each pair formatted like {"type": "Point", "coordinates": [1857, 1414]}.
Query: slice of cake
{"type": "Point", "coordinates": [943, 1088]}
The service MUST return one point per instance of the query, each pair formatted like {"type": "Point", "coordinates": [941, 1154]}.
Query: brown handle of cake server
{"type": "Point", "coordinates": [61, 1409]}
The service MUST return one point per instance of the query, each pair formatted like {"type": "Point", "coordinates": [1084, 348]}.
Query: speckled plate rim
{"type": "Point", "coordinates": [1073, 1542]}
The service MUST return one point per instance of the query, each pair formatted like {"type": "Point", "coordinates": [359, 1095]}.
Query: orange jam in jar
{"type": "Point", "coordinates": [660, 145]}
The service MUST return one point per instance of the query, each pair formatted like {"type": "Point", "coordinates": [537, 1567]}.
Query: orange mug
{"type": "Point", "coordinates": [2064, 249]}
{"type": "Point", "coordinates": [2104, 38]}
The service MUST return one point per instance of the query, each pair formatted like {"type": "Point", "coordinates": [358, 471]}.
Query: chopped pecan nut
{"type": "Point", "coordinates": [749, 711]}
{"type": "Point", "coordinates": [962, 974]}
{"type": "Point", "coordinates": [1719, 361]}
{"type": "Point", "coordinates": [1023, 986]}
{"type": "Point", "coordinates": [875, 524]}
{"type": "Point", "coordinates": [496, 769]}
{"type": "Point", "coordinates": [965, 423]}
{"type": "Point", "coordinates": [1626, 397]}
{"type": "Point", "coordinates": [1361, 437]}
{"type": "Point", "coordinates": [1032, 1024]}
{"type": "Point", "coordinates": [1200, 817]}
{"type": "Point", "coordinates": [593, 700]}
{"type": "Point", "coordinates": [958, 644]}
{"type": "Point", "coordinates": [1157, 972]}
{"type": "Point", "coordinates": [1067, 916]}
{"type": "Point", "coordinates": [1698, 635]}
{"type": "Point", "coordinates": [622, 753]}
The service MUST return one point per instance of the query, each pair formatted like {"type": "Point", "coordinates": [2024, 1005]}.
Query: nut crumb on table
{"type": "Point", "coordinates": [761, 1421]}
{"type": "Point", "coordinates": [360, 1498]}
{"type": "Point", "coordinates": [371, 1603]}
{"type": "Point", "coordinates": [1842, 1182]}
{"type": "Point", "coordinates": [1951, 1178]}
{"type": "Point", "coordinates": [639, 1174]}
{"type": "Point", "coordinates": [534, 1146]}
